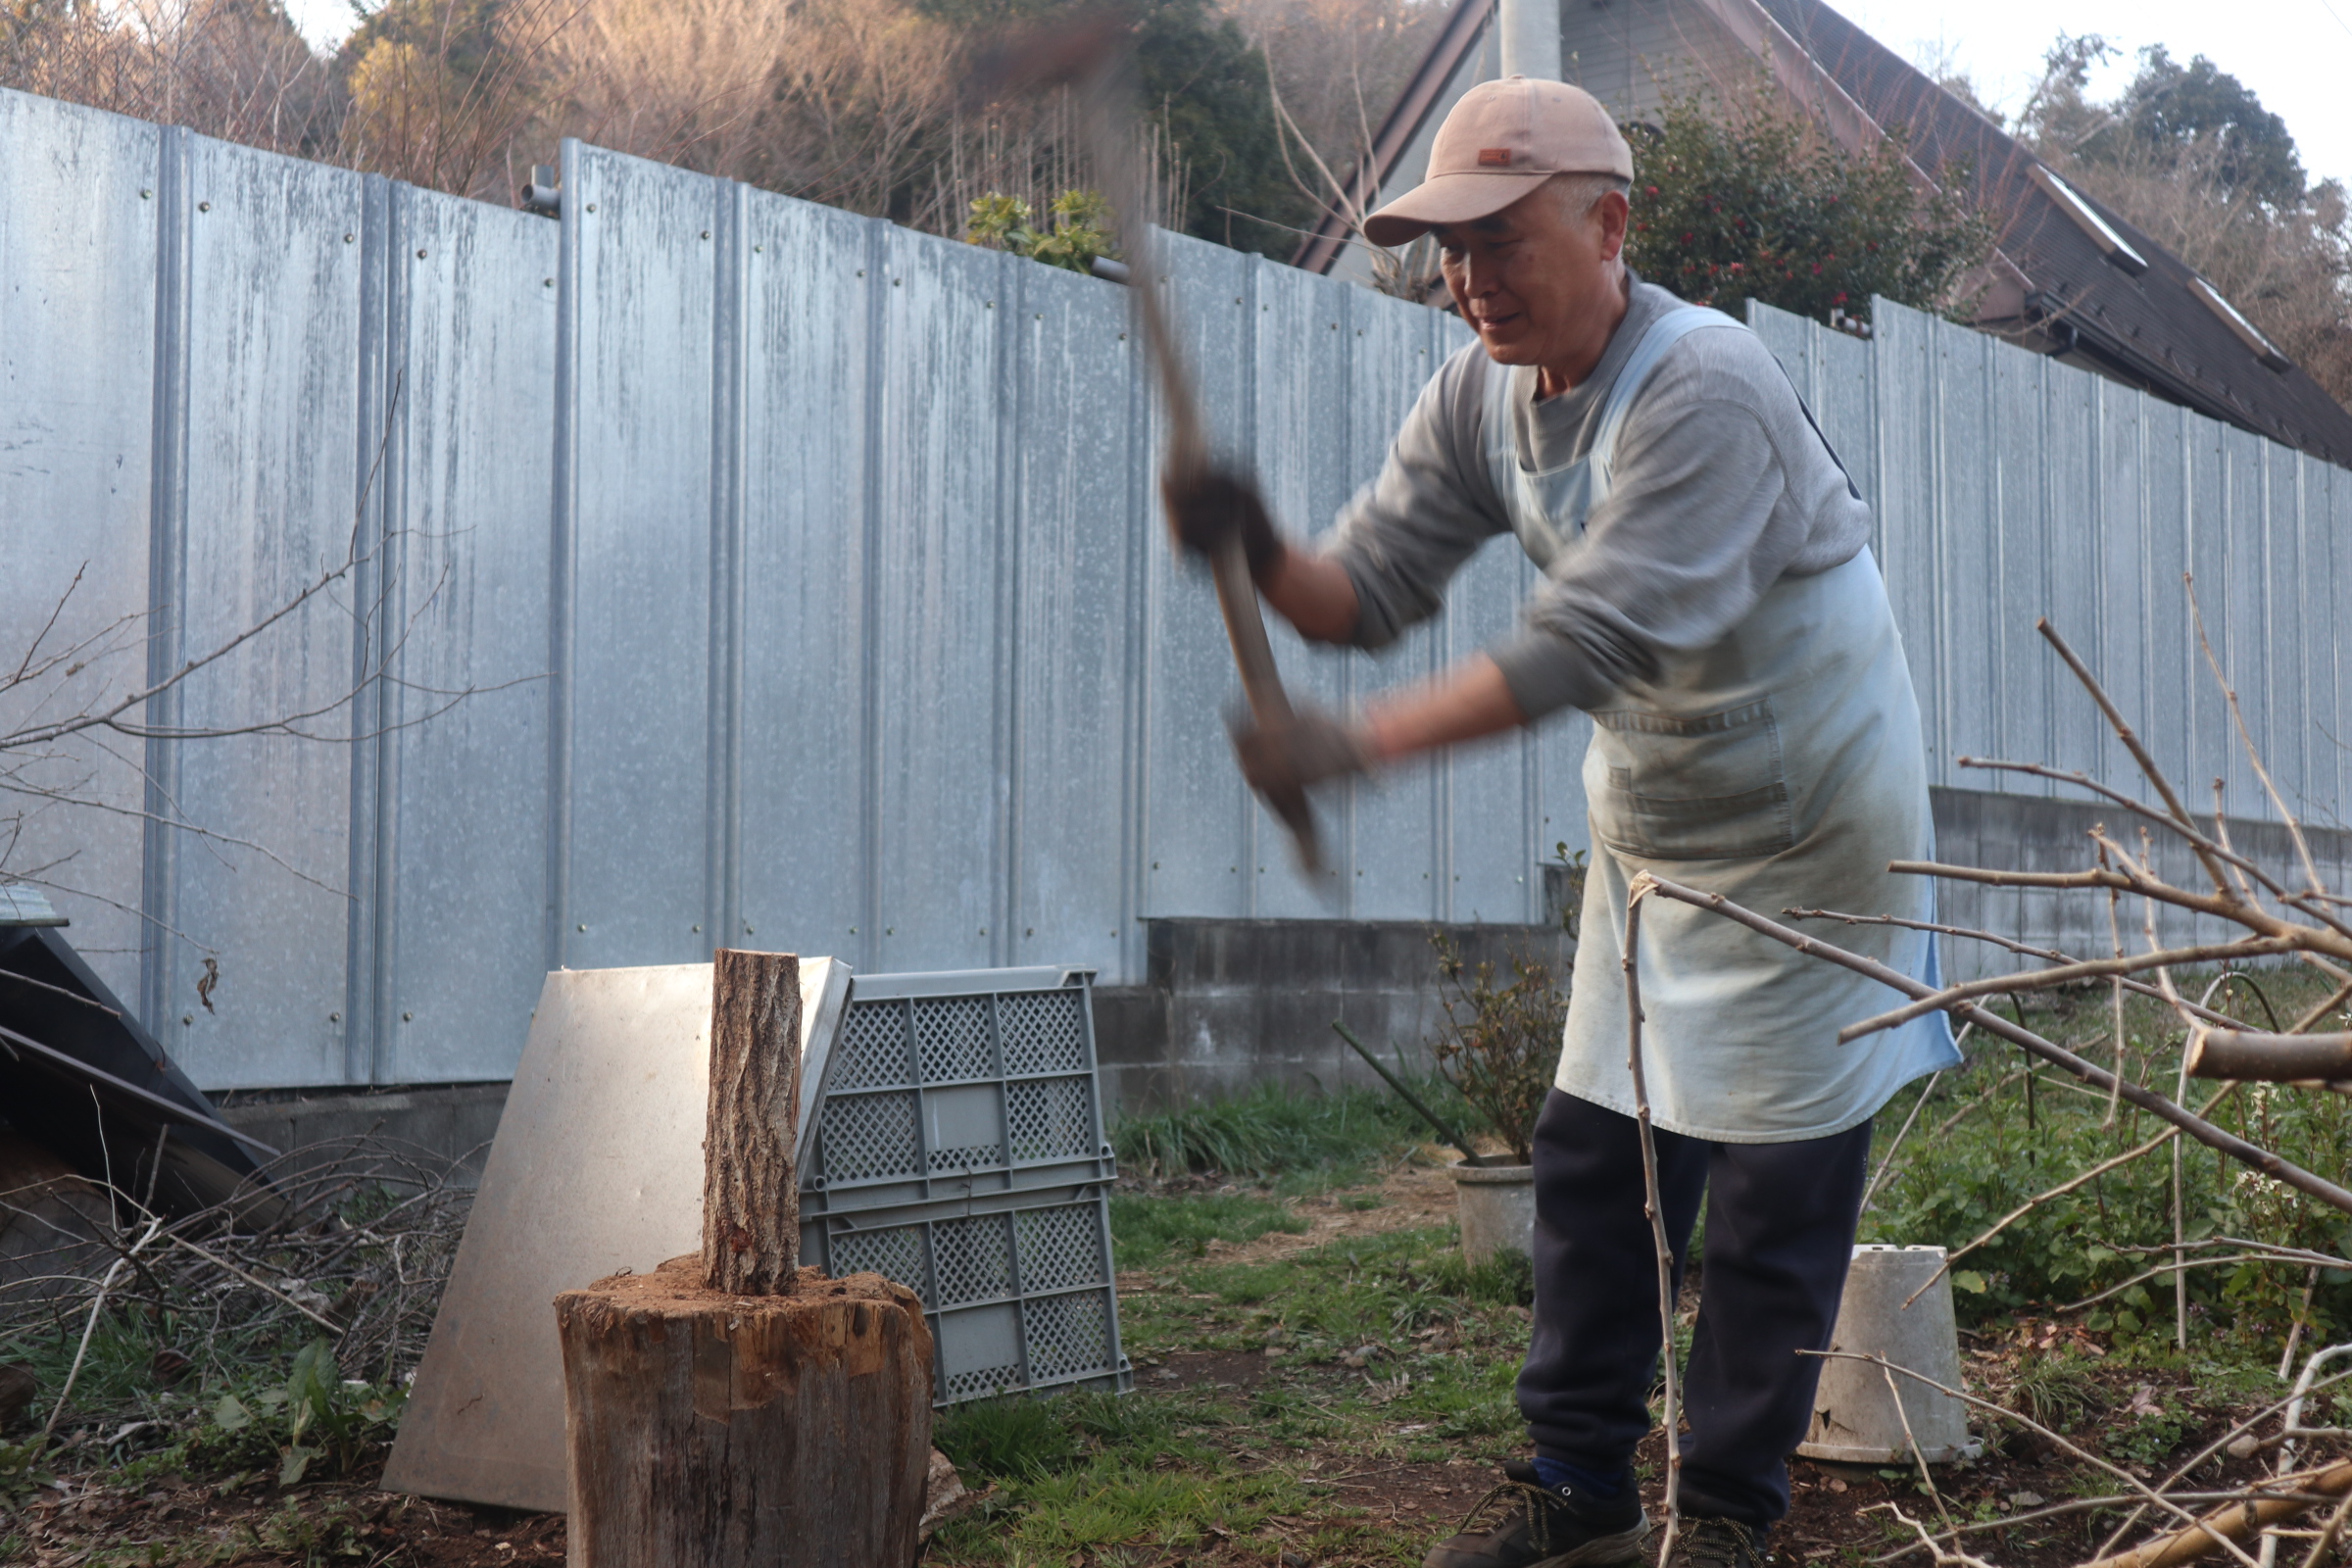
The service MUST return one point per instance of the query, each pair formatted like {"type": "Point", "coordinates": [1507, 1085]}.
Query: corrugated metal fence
{"type": "Point", "coordinates": [807, 581]}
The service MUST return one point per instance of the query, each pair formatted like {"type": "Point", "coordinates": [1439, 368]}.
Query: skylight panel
{"type": "Point", "coordinates": [2247, 332]}
{"type": "Point", "coordinates": [2112, 245]}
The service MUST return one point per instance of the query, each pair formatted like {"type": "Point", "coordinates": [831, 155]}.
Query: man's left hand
{"type": "Point", "coordinates": [1311, 747]}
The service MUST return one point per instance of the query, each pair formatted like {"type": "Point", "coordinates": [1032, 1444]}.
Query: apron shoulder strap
{"type": "Point", "coordinates": [1661, 335]}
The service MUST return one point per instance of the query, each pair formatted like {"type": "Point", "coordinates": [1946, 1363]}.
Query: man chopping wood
{"type": "Point", "coordinates": [1709, 598]}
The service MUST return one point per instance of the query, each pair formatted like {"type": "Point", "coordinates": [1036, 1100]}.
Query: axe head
{"type": "Point", "coordinates": [1087, 49]}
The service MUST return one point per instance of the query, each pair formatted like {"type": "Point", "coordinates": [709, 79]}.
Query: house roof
{"type": "Point", "coordinates": [2096, 286]}
{"type": "Point", "coordinates": [2084, 283]}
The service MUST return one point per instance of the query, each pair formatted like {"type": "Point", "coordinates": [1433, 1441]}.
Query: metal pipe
{"type": "Point", "coordinates": [1530, 33]}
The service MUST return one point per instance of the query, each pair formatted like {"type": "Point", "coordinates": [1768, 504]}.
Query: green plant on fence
{"type": "Point", "coordinates": [312, 1418]}
{"type": "Point", "coordinates": [1077, 230]}
{"type": "Point", "coordinates": [1499, 1046]}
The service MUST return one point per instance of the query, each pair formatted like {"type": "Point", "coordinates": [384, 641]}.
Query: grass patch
{"type": "Point", "coordinates": [1274, 1131]}
{"type": "Point", "coordinates": [1151, 1231]}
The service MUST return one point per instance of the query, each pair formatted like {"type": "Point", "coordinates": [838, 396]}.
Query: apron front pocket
{"type": "Point", "coordinates": [1709, 787]}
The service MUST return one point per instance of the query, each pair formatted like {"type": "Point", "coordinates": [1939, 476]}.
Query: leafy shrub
{"type": "Point", "coordinates": [1751, 200]}
{"type": "Point", "coordinates": [1499, 1047]}
{"type": "Point", "coordinates": [1077, 230]}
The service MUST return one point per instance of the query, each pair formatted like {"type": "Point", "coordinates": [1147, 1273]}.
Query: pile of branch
{"type": "Point", "coordinates": [352, 1241]}
{"type": "Point", "coordinates": [2292, 916]}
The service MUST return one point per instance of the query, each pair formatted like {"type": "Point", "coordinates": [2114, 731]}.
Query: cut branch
{"type": "Point", "coordinates": [2198, 1127]}
{"type": "Point", "coordinates": [2274, 1058]}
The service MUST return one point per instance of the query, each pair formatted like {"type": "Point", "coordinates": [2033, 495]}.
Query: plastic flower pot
{"type": "Point", "coordinates": [1497, 1207]}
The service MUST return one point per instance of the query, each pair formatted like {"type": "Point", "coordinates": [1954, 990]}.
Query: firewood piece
{"type": "Point", "coordinates": [2268, 1058]}
{"type": "Point", "coordinates": [2233, 1521]}
{"type": "Point", "coordinates": [728, 1431]}
{"type": "Point", "coordinates": [750, 1199]}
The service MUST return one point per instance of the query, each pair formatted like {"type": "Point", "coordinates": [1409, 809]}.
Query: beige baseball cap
{"type": "Point", "coordinates": [1502, 140]}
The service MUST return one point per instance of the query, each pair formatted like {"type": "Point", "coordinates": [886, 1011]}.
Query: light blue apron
{"type": "Point", "coordinates": [1782, 768]}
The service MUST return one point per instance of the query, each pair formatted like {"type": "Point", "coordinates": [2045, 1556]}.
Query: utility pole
{"type": "Point", "coordinates": [1529, 32]}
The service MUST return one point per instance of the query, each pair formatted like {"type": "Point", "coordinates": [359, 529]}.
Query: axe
{"type": "Point", "coordinates": [1094, 55]}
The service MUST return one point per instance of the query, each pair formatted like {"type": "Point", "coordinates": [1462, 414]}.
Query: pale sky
{"type": "Point", "coordinates": [2295, 53]}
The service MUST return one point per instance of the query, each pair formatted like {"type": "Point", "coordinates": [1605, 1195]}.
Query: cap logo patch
{"type": "Point", "coordinates": [1494, 158]}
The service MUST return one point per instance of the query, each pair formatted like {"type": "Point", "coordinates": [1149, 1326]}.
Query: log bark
{"type": "Point", "coordinates": [727, 1431]}
{"type": "Point", "coordinates": [2268, 1058]}
{"type": "Point", "coordinates": [750, 1199]}
{"type": "Point", "coordinates": [2233, 1521]}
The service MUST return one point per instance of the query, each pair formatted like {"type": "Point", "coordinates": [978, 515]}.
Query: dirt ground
{"type": "Point", "coordinates": [1838, 1513]}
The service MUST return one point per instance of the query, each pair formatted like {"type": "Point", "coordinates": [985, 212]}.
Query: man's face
{"type": "Point", "coordinates": [1536, 280]}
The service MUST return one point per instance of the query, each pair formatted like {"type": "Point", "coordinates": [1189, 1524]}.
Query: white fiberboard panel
{"type": "Point", "coordinates": [597, 1168]}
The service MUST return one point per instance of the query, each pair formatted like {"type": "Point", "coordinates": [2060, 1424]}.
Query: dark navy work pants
{"type": "Point", "coordinates": [1779, 1232]}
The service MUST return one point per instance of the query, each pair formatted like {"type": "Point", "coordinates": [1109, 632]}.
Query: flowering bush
{"type": "Point", "coordinates": [1753, 201]}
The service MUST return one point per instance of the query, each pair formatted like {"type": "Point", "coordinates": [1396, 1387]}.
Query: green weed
{"type": "Point", "coordinates": [1271, 1130]}
{"type": "Point", "coordinates": [1949, 1187]}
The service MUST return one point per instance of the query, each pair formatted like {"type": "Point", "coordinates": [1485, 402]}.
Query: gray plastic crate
{"type": "Point", "coordinates": [1017, 1287]}
{"type": "Point", "coordinates": [958, 1150]}
{"type": "Point", "coordinates": [955, 1085]}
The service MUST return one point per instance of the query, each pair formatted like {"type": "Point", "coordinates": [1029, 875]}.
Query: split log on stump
{"type": "Point", "coordinates": [733, 1410]}
{"type": "Point", "coordinates": [721, 1430]}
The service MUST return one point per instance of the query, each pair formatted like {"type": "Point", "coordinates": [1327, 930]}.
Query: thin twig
{"type": "Point", "coordinates": [2124, 733]}
{"type": "Point", "coordinates": [2138, 1487]}
{"type": "Point", "coordinates": [1655, 1203]}
{"type": "Point", "coordinates": [2262, 1159]}
{"type": "Point", "coordinates": [1887, 1163]}
{"type": "Point", "coordinates": [2294, 828]}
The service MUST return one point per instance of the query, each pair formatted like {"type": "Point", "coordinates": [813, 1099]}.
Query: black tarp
{"type": "Point", "coordinates": [81, 1077]}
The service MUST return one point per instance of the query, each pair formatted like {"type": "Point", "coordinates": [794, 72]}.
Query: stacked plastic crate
{"type": "Point", "coordinates": [958, 1149]}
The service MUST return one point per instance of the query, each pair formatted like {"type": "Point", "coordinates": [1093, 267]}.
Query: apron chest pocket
{"type": "Point", "coordinates": [1704, 788]}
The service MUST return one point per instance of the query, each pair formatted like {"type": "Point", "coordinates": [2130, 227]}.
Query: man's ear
{"type": "Point", "coordinates": [1612, 212]}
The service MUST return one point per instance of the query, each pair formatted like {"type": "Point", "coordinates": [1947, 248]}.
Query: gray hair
{"type": "Point", "coordinates": [1576, 193]}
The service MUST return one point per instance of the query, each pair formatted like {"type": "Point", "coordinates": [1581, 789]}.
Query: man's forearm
{"type": "Point", "coordinates": [1469, 700]}
{"type": "Point", "coordinates": [1313, 593]}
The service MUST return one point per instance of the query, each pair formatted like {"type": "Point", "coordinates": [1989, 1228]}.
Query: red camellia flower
{"type": "Point", "coordinates": [1649, 190]}
{"type": "Point", "coordinates": [1841, 299]}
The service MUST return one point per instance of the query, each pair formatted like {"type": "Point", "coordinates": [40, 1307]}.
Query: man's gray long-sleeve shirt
{"type": "Point", "coordinates": [1720, 486]}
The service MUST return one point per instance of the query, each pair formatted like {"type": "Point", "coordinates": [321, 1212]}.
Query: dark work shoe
{"type": "Point", "coordinates": [1703, 1543]}
{"type": "Point", "coordinates": [1521, 1525]}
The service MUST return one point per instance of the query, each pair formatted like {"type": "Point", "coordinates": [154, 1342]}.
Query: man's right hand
{"type": "Point", "coordinates": [1213, 506]}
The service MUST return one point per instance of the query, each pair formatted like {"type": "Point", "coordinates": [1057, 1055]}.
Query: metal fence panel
{"type": "Point", "coordinates": [2166, 478]}
{"type": "Point", "coordinates": [2236, 607]}
{"type": "Point", "coordinates": [1903, 440]}
{"type": "Point", "coordinates": [805, 793]}
{"type": "Point", "coordinates": [636, 430]}
{"type": "Point", "coordinates": [1079, 542]}
{"type": "Point", "coordinates": [939, 609]}
{"type": "Point", "coordinates": [1392, 819]}
{"type": "Point", "coordinates": [1199, 829]}
{"type": "Point", "coordinates": [274, 265]}
{"type": "Point", "coordinates": [1305, 343]}
{"type": "Point", "coordinates": [470, 334]}
{"type": "Point", "coordinates": [1968, 498]}
{"type": "Point", "coordinates": [2069, 583]}
{"type": "Point", "coordinates": [77, 260]}
{"type": "Point", "coordinates": [2286, 735]}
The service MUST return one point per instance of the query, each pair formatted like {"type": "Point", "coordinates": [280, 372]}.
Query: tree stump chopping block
{"type": "Point", "coordinates": [708, 1428]}
{"type": "Point", "coordinates": [735, 1411]}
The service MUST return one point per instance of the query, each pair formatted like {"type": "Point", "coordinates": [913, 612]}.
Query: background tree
{"type": "Point", "coordinates": [2188, 155]}
{"type": "Point", "coordinates": [1751, 200]}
